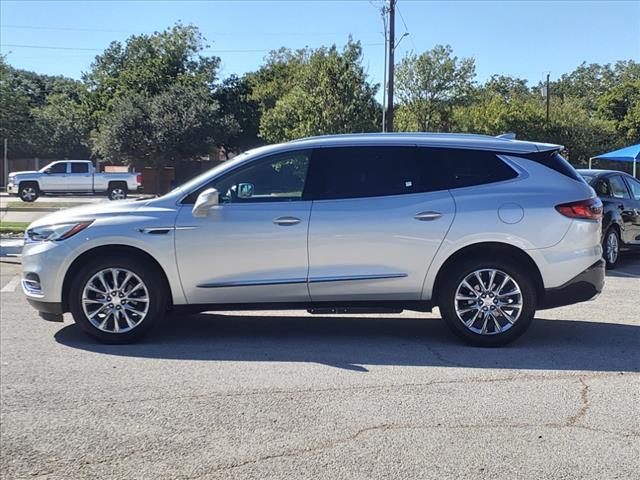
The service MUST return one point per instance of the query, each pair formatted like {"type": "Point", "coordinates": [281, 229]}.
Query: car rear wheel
{"type": "Point", "coordinates": [28, 192]}
{"type": "Point", "coordinates": [487, 302]}
{"type": "Point", "coordinates": [611, 247]}
{"type": "Point", "coordinates": [117, 299]}
{"type": "Point", "coordinates": [117, 191]}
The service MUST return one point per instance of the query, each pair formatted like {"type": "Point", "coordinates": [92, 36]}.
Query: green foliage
{"type": "Point", "coordinates": [239, 114]}
{"type": "Point", "coordinates": [327, 93]}
{"type": "Point", "coordinates": [429, 86]}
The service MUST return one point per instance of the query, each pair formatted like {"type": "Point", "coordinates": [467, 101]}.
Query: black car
{"type": "Point", "coordinates": [620, 194]}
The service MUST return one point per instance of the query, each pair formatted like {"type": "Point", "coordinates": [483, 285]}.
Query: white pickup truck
{"type": "Point", "coordinates": [72, 176]}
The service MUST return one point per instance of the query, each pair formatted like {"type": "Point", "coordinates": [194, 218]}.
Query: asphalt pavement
{"type": "Point", "coordinates": [288, 395]}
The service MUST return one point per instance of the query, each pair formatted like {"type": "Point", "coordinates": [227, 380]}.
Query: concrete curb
{"type": "Point", "coordinates": [33, 209]}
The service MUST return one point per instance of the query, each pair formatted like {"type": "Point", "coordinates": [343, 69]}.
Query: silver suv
{"type": "Point", "coordinates": [487, 229]}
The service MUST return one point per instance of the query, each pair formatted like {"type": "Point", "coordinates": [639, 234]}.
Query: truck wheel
{"type": "Point", "coordinates": [28, 192]}
{"type": "Point", "coordinates": [117, 298]}
{"type": "Point", "coordinates": [487, 301]}
{"type": "Point", "coordinates": [117, 191]}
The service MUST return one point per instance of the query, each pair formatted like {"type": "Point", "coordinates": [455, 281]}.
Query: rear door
{"type": "Point", "coordinates": [80, 177]}
{"type": "Point", "coordinates": [376, 223]}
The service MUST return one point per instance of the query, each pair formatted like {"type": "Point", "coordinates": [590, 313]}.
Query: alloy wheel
{"type": "Point", "coordinates": [488, 301]}
{"type": "Point", "coordinates": [115, 300]}
{"type": "Point", "coordinates": [117, 194]}
{"type": "Point", "coordinates": [29, 193]}
{"type": "Point", "coordinates": [612, 247]}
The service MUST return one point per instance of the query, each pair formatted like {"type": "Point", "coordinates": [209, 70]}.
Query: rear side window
{"type": "Point", "coordinates": [79, 168]}
{"type": "Point", "coordinates": [555, 161]}
{"type": "Point", "coordinates": [449, 168]}
{"type": "Point", "coordinates": [355, 172]}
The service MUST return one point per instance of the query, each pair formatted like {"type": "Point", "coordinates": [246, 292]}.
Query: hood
{"type": "Point", "coordinates": [24, 172]}
{"type": "Point", "coordinates": [90, 212]}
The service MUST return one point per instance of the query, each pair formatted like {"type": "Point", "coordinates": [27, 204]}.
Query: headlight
{"type": "Point", "coordinates": [55, 233]}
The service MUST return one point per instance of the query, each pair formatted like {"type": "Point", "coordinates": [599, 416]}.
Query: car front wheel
{"type": "Point", "coordinates": [28, 192]}
{"type": "Point", "coordinates": [487, 302]}
{"type": "Point", "coordinates": [117, 299]}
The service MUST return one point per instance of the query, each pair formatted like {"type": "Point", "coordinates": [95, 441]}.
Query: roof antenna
{"type": "Point", "coordinates": [507, 136]}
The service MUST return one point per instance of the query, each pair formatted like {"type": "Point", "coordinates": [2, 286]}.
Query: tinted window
{"type": "Point", "coordinates": [618, 188]}
{"type": "Point", "coordinates": [634, 185]}
{"type": "Point", "coordinates": [277, 178]}
{"type": "Point", "coordinates": [79, 168]}
{"type": "Point", "coordinates": [455, 168]}
{"type": "Point", "coordinates": [60, 167]}
{"type": "Point", "coordinates": [555, 161]}
{"type": "Point", "coordinates": [352, 172]}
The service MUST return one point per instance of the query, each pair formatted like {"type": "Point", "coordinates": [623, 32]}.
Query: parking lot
{"type": "Point", "coordinates": [289, 395]}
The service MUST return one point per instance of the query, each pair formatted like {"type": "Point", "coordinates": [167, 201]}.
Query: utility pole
{"type": "Point", "coordinates": [6, 166]}
{"type": "Point", "coordinates": [547, 89]}
{"type": "Point", "coordinates": [391, 48]}
{"type": "Point", "coordinates": [383, 11]}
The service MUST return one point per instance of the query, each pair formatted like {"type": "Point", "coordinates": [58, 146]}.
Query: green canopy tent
{"type": "Point", "coordinates": [626, 154]}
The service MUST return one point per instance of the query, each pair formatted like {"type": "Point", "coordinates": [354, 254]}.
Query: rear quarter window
{"type": "Point", "coordinates": [456, 168]}
{"type": "Point", "coordinates": [555, 161]}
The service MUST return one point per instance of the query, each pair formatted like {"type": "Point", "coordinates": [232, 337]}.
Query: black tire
{"type": "Point", "coordinates": [28, 192]}
{"type": "Point", "coordinates": [447, 300]}
{"type": "Point", "coordinates": [150, 276]}
{"type": "Point", "coordinates": [117, 191]}
{"type": "Point", "coordinates": [611, 257]}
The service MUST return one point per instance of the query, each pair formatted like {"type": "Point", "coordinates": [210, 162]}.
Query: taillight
{"type": "Point", "coordinates": [139, 179]}
{"type": "Point", "coordinates": [590, 209]}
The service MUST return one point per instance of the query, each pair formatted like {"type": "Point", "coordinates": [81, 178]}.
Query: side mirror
{"type": "Point", "coordinates": [245, 190]}
{"type": "Point", "coordinates": [207, 199]}
{"type": "Point", "coordinates": [48, 171]}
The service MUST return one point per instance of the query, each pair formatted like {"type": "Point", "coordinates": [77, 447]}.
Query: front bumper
{"type": "Point", "coordinates": [584, 286]}
{"type": "Point", "coordinates": [12, 189]}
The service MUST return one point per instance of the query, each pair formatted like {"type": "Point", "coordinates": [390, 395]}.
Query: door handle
{"type": "Point", "coordinates": [286, 221]}
{"type": "Point", "coordinates": [427, 216]}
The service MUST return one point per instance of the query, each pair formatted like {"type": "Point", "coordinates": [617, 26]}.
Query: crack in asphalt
{"type": "Point", "coordinates": [463, 381]}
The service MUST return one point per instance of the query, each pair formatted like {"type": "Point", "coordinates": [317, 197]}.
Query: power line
{"type": "Point", "coordinates": [234, 34]}
{"type": "Point", "coordinates": [48, 47]}
{"type": "Point", "coordinates": [406, 29]}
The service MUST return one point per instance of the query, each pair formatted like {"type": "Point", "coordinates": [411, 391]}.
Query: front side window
{"type": "Point", "coordinates": [79, 167]}
{"type": "Point", "coordinates": [356, 172]}
{"type": "Point", "coordinates": [277, 178]}
{"type": "Point", "coordinates": [618, 188]}
{"type": "Point", "coordinates": [60, 167]}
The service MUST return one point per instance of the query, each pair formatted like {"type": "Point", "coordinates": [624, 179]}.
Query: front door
{"type": "Point", "coordinates": [55, 179]}
{"type": "Point", "coordinates": [375, 224]}
{"type": "Point", "coordinates": [624, 203]}
{"type": "Point", "coordinates": [634, 187]}
{"type": "Point", "coordinates": [252, 247]}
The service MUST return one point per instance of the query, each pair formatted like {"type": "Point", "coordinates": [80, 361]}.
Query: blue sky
{"type": "Point", "coordinates": [524, 39]}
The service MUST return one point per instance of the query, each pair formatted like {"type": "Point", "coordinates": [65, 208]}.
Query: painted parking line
{"type": "Point", "coordinates": [11, 286]}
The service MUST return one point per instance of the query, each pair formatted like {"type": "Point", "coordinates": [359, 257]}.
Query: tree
{"type": "Point", "coordinates": [152, 99]}
{"type": "Point", "coordinates": [240, 115]}
{"type": "Point", "coordinates": [330, 94]}
{"type": "Point", "coordinates": [429, 86]}
{"type": "Point", "coordinates": [156, 130]}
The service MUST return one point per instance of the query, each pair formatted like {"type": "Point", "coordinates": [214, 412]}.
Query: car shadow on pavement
{"type": "Point", "coordinates": [354, 343]}
{"type": "Point", "coordinates": [628, 265]}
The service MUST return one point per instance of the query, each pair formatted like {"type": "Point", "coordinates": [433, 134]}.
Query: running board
{"type": "Point", "coordinates": [352, 310]}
